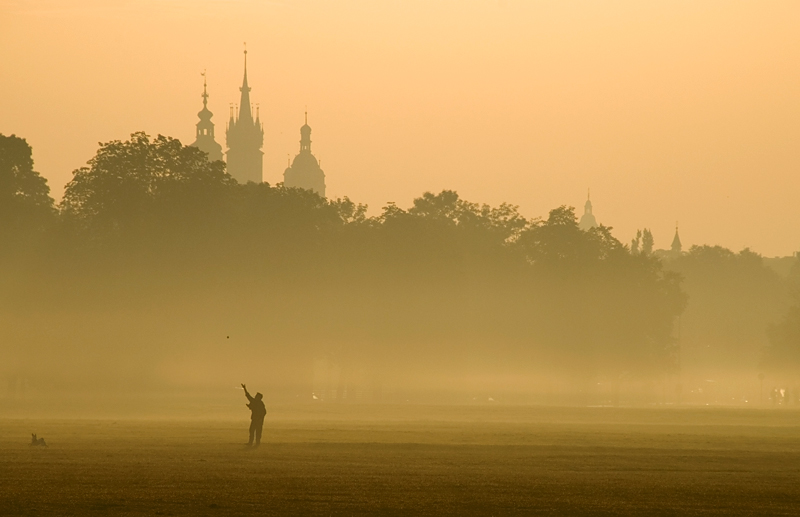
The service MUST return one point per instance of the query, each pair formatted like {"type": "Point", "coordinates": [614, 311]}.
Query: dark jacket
{"type": "Point", "coordinates": [257, 408]}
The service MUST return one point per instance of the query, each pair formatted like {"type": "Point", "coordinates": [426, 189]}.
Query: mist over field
{"type": "Point", "coordinates": [158, 274]}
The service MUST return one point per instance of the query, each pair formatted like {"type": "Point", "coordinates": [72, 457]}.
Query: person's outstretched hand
{"type": "Point", "coordinates": [244, 387]}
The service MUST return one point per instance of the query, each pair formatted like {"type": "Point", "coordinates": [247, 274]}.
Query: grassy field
{"type": "Point", "coordinates": [411, 460]}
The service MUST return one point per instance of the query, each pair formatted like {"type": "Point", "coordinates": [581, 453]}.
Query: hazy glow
{"type": "Point", "coordinates": [669, 111]}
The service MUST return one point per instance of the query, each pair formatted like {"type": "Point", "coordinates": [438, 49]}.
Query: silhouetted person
{"type": "Point", "coordinates": [257, 413]}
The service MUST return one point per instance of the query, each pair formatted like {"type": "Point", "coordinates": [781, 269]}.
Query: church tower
{"type": "Point", "coordinates": [587, 221]}
{"type": "Point", "coordinates": [245, 137]}
{"type": "Point", "coordinates": [676, 243]}
{"type": "Point", "coordinates": [205, 130]}
{"type": "Point", "coordinates": [305, 172]}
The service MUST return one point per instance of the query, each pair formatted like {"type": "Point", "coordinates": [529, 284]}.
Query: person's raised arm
{"type": "Point", "coordinates": [246, 393]}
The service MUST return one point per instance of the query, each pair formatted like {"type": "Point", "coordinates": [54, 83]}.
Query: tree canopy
{"type": "Point", "coordinates": [25, 202]}
{"type": "Point", "coordinates": [151, 227]}
{"type": "Point", "coordinates": [139, 180]}
{"type": "Point", "coordinates": [734, 298]}
{"type": "Point", "coordinates": [782, 355]}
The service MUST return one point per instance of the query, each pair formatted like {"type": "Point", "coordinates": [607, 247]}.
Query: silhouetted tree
{"type": "Point", "coordinates": [151, 228]}
{"type": "Point", "coordinates": [559, 242]}
{"type": "Point", "coordinates": [733, 297]}
{"type": "Point", "coordinates": [636, 243]}
{"type": "Point", "coordinates": [607, 309]}
{"type": "Point", "coordinates": [139, 181]}
{"type": "Point", "coordinates": [25, 201]}
{"type": "Point", "coordinates": [647, 242]}
{"type": "Point", "coordinates": [643, 243]}
{"type": "Point", "coordinates": [782, 356]}
{"type": "Point", "coordinates": [783, 353]}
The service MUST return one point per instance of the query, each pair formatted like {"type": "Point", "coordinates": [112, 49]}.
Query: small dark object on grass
{"type": "Point", "coordinates": [36, 442]}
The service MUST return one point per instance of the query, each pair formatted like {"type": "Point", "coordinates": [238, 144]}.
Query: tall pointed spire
{"type": "Point", "coordinates": [676, 242]}
{"type": "Point", "coordinates": [244, 105]}
{"type": "Point", "coordinates": [588, 220]}
{"type": "Point", "coordinates": [245, 137]}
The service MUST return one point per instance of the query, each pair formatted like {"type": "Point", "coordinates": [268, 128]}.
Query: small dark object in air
{"type": "Point", "coordinates": [37, 442]}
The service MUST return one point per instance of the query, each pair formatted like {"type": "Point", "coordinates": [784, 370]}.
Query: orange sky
{"type": "Point", "coordinates": [669, 110]}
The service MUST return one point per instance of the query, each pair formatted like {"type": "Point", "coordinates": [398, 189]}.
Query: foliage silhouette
{"type": "Point", "coordinates": [159, 248]}
{"type": "Point", "coordinates": [782, 355]}
{"type": "Point", "coordinates": [137, 182]}
{"type": "Point", "coordinates": [734, 298]}
{"type": "Point", "coordinates": [25, 202]}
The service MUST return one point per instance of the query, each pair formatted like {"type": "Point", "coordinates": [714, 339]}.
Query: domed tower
{"type": "Point", "coordinates": [205, 129]}
{"type": "Point", "coordinates": [587, 221]}
{"type": "Point", "coordinates": [245, 137]}
{"type": "Point", "coordinates": [304, 171]}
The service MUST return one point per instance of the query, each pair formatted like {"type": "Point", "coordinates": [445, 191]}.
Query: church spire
{"type": "Point", "coordinates": [588, 220]}
{"type": "Point", "coordinates": [245, 137]}
{"type": "Point", "coordinates": [305, 171]}
{"type": "Point", "coordinates": [305, 136]}
{"type": "Point", "coordinates": [676, 242]}
{"type": "Point", "coordinates": [244, 105]}
{"type": "Point", "coordinates": [205, 128]}
{"type": "Point", "coordinates": [205, 90]}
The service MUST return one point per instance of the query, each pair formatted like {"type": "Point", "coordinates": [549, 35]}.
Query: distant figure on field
{"type": "Point", "coordinates": [37, 442]}
{"type": "Point", "coordinates": [257, 413]}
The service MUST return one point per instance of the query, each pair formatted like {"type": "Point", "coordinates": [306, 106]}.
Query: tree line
{"type": "Point", "coordinates": [154, 254]}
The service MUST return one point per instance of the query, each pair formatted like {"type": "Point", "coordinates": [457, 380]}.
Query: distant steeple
{"type": "Point", "coordinates": [244, 103]}
{"type": "Point", "coordinates": [204, 139]}
{"type": "Point", "coordinates": [305, 172]}
{"type": "Point", "coordinates": [245, 138]}
{"type": "Point", "coordinates": [205, 90]}
{"type": "Point", "coordinates": [676, 242]}
{"type": "Point", "coordinates": [587, 221]}
{"type": "Point", "coordinates": [305, 137]}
